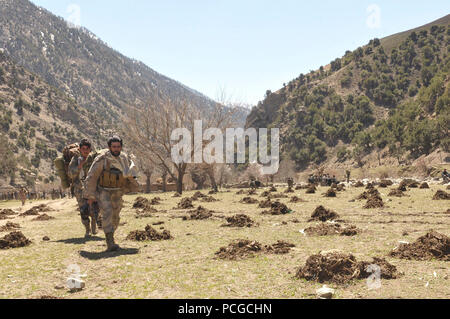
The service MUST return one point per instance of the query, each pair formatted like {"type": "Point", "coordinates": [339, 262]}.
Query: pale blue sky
{"type": "Point", "coordinates": [243, 46]}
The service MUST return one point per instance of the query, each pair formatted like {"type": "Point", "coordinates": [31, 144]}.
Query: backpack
{"type": "Point", "coordinates": [62, 164]}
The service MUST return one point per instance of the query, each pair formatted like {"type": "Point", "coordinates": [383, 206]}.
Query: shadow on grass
{"type": "Point", "coordinates": [79, 241]}
{"type": "Point", "coordinates": [104, 254]}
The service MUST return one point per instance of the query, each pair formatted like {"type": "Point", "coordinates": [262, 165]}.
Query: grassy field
{"type": "Point", "coordinates": [186, 267]}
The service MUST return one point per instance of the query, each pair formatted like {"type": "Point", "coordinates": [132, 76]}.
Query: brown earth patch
{"type": "Point", "coordinates": [374, 201]}
{"type": "Point", "coordinates": [424, 185]}
{"type": "Point", "coordinates": [34, 211]}
{"type": "Point", "coordinates": [9, 227]}
{"type": "Point", "coordinates": [239, 220]}
{"type": "Point", "coordinates": [244, 248]}
{"type": "Point", "coordinates": [323, 214]}
{"type": "Point", "coordinates": [430, 246]}
{"type": "Point", "coordinates": [14, 240]}
{"type": "Point", "coordinates": [341, 268]}
{"type": "Point", "coordinates": [265, 204]}
{"type": "Point", "coordinates": [43, 217]}
{"type": "Point", "coordinates": [440, 194]}
{"type": "Point", "coordinates": [185, 203]}
{"type": "Point", "coordinates": [248, 200]}
{"type": "Point", "coordinates": [199, 214]}
{"type": "Point", "coordinates": [149, 234]}
{"type": "Point", "coordinates": [327, 229]}
{"type": "Point", "coordinates": [277, 208]}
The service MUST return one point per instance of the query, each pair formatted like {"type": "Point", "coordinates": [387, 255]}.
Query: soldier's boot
{"type": "Point", "coordinates": [87, 226]}
{"type": "Point", "coordinates": [93, 226]}
{"type": "Point", "coordinates": [111, 245]}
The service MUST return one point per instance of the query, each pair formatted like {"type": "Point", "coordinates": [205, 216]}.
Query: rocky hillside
{"type": "Point", "coordinates": [36, 122]}
{"type": "Point", "coordinates": [391, 95]}
{"type": "Point", "coordinates": [74, 60]}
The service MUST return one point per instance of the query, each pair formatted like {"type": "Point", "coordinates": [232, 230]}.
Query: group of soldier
{"type": "Point", "coordinates": [325, 179]}
{"type": "Point", "coordinates": [99, 180]}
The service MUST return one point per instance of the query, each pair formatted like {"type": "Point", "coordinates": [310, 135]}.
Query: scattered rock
{"type": "Point", "coordinates": [14, 240]}
{"type": "Point", "coordinates": [45, 238]}
{"type": "Point", "coordinates": [325, 292]}
{"type": "Point", "coordinates": [148, 234]}
{"type": "Point", "coordinates": [433, 245]}
{"type": "Point", "coordinates": [323, 214]}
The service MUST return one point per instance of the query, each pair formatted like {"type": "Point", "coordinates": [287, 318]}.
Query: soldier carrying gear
{"type": "Point", "coordinates": [445, 176]}
{"type": "Point", "coordinates": [77, 172]}
{"type": "Point", "coordinates": [111, 176]}
{"type": "Point", "coordinates": [290, 182]}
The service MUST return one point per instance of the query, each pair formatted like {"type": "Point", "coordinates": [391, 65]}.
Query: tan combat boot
{"type": "Point", "coordinates": [93, 226]}
{"type": "Point", "coordinates": [88, 229]}
{"type": "Point", "coordinates": [111, 245]}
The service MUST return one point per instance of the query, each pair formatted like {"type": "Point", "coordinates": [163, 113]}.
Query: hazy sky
{"type": "Point", "coordinates": [244, 47]}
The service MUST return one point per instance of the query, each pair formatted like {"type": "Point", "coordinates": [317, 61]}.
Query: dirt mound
{"type": "Point", "coordinates": [149, 234]}
{"type": "Point", "coordinates": [185, 203]}
{"type": "Point", "coordinates": [424, 185]}
{"type": "Point", "coordinates": [370, 186]}
{"type": "Point", "coordinates": [176, 195]}
{"type": "Point", "coordinates": [386, 183]}
{"type": "Point", "coordinates": [241, 192]}
{"type": "Point", "coordinates": [272, 189]}
{"type": "Point", "coordinates": [198, 195]}
{"type": "Point", "coordinates": [430, 246]}
{"type": "Point", "coordinates": [14, 240]}
{"type": "Point", "coordinates": [402, 188]}
{"type": "Point", "coordinates": [374, 201]}
{"type": "Point", "coordinates": [156, 201]}
{"type": "Point", "coordinates": [326, 229]}
{"type": "Point", "coordinates": [251, 192]}
{"type": "Point", "coordinates": [295, 199]}
{"type": "Point", "coordinates": [248, 200]}
{"type": "Point", "coordinates": [277, 208]}
{"type": "Point", "coordinates": [341, 268]}
{"type": "Point", "coordinates": [280, 247]}
{"type": "Point", "coordinates": [34, 211]}
{"type": "Point", "coordinates": [311, 190]}
{"type": "Point", "coordinates": [396, 193]}
{"type": "Point", "coordinates": [43, 217]}
{"type": "Point", "coordinates": [340, 187]}
{"type": "Point", "coordinates": [199, 214]}
{"type": "Point", "coordinates": [279, 196]}
{"type": "Point", "coordinates": [265, 194]}
{"type": "Point", "coordinates": [7, 212]}
{"type": "Point", "coordinates": [440, 194]}
{"type": "Point", "coordinates": [359, 184]}
{"type": "Point", "coordinates": [369, 193]}
{"type": "Point", "coordinates": [265, 204]}
{"type": "Point", "coordinates": [243, 248]}
{"type": "Point", "coordinates": [413, 185]}
{"type": "Point", "coordinates": [9, 227]}
{"type": "Point", "coordinates": [240, 248]}
{"type": "Point", "coordinates": [141, 202]}
{"type": "Point", "coordinates": [239, 220]}
{"type": "Point", "coordinates": [146, 212]}
{"type": "Point", "coordinates": [330, 193]}
{"type": "Point", "coordinates": [209, 199]}
{"type": "Point", "coordinates": [323, 214]}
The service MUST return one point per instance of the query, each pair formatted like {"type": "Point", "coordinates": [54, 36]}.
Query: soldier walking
{"type": "Point", "coordinates": [109, 178]}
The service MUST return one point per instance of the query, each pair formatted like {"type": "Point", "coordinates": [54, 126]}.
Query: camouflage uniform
{"type": "Point", "coordinates": [78, 178]}
{"type": "Point", "coordinates": [109, 198]}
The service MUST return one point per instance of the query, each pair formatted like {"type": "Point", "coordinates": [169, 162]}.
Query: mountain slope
{"type": "Point", "coordinates": [77, 62]}
{"type": "Point", "coordinates": [37, 121]}
{"type": "Point", "coordinates": [356, 101]}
